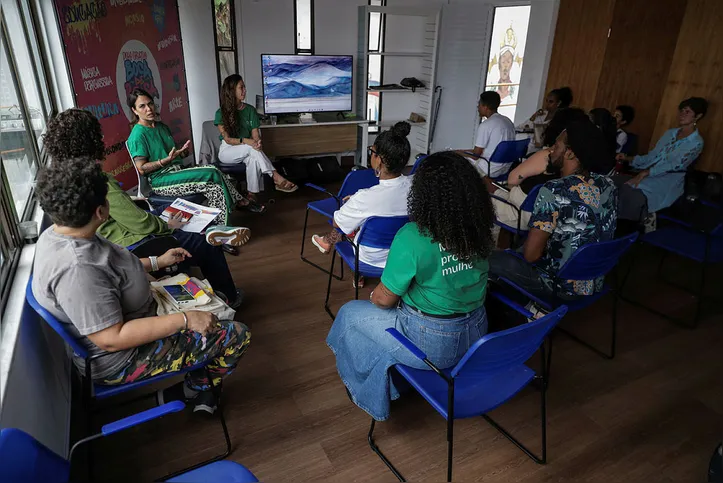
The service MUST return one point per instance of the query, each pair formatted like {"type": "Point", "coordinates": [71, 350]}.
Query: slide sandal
{"type": "Point", "coordinates": [280, 187]}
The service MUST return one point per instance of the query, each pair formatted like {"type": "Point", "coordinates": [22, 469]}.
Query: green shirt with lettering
{"type": "Point", "coordinates": [246, 121]}
{"type": "Point", "coordinates": [431, 279]}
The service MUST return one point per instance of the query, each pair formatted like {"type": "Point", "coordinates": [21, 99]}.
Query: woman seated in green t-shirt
{"type": "Point", "coordinates": [432, 289]}
{"type": "Point", "coordinates": [240, 138]}
{"type": "Point", "coordinates": [154, 153]}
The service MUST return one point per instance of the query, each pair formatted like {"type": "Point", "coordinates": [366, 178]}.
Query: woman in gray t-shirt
{"type": "Point", "coordinates": [102, 292]}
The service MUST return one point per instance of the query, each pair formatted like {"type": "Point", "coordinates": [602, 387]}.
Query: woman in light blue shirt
{"type": "Point", "coordinates": [661, 178]}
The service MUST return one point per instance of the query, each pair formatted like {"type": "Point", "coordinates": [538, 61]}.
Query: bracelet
{"type": "Point", "coordinates": [371, 295]}
{"type": "Point", "coordinates": [185, 321]}
{"type": "Point", "coordinates": [154, 263]}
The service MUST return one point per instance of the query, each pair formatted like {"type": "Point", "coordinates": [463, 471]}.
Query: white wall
{"type": "Point", "coordinates": [59, 75]}
{"type": "Point", "coordinates": [267, 27]}
{"type": "Point", "coordinates": [199, 55]}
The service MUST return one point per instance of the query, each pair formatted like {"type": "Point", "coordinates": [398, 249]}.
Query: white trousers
{"type": "Point", "coordinates": [257, 164]}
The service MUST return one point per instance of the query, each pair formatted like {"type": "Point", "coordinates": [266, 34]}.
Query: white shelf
{"type": "Point", "coordinates": [397, 90]}
{"type": "Point", "coordinates": [392, 123]}
{"type": "Point", "coordinates": [401, 54]}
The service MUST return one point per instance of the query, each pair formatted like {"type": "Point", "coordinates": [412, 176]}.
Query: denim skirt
{"type": "Point", "coordinates": [365, 351]}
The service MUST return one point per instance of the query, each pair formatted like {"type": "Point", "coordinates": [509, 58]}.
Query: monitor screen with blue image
{"type": "Point", "coordinates": [306, 83]}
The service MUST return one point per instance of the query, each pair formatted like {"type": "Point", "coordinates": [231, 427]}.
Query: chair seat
{"type": "Point", "coordinates": [232, 169]}
{"type": "Point", "coordinates": [101, 391]}
{"type": "Point", "coordinates": [474, 395]}
{"type": "Point", "coordinates": [554, 302]}
{"type": "Point", "coordinates": [325, 207]}
{"type": "Point", "coordinates": [220, 471]}
{"type": "Point", "coordinates": [686, 243]}
{"type": "Point", "coordinates": [346, 252]}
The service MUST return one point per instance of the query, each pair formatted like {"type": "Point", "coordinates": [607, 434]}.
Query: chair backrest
{"type": "Point", "coordinates": [379, 231]}
{"type": "Point", "coordinates": [498, 351]}
{"type": "Point", "coordinates": [23, 458]}
{"type": "Point", "coordinates": [595, 259]}
{"type": "Point", "coordinates": [529, 203]}
{"type": "Point", "coordinates": [357, 180]}
{"type": "Point", "coordinates": [510, 151]}
{"type": "Point", "coordinates": [58, 326]}
{"type": "Point", "coordinates": [419, 160]}
{"type": "Point", "coordinates": [144, 188]}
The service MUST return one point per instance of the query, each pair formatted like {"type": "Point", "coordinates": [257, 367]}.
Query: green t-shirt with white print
{"type": "Point", "coordinates": [431, 279]}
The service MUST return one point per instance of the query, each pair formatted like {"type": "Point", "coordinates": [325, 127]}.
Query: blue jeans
{"type": "Point", "coordinates": [365, 351]}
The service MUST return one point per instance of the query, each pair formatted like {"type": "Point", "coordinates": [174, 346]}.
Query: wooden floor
{"type": "Point", "coordinates": [652, 414]}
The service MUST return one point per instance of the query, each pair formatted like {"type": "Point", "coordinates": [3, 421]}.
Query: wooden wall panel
{"type": "Point", "coordinates": [638, 58]}
{"type": "Point", "coordinates": [578, 51]}
{"type": "Point", "coordinates": [697, 70]}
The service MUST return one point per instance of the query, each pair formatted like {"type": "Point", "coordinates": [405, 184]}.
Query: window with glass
{"type": "Point", "coordinates": [26, 104]}
{"type": "Point", "coordinates": [507, 50]}
{"type": "Point", "coordinates": [376, 62]}
{"type": "Point", "coordinates": [226, 45]}
{"type": "Point", "coordinates": [304, 23]}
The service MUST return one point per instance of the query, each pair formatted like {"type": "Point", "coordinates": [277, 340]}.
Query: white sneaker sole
{"type": "Point", "coordinates": [236, 237]}
{"type": "Point", "coordinates": [317, 245]}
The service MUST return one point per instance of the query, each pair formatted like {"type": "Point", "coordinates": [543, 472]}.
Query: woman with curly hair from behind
{"type": "Point", "coordinates": [432, 290]}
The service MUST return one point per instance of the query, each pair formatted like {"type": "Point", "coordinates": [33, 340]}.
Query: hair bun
{"type": "Point", "coordinates": [402, 129]}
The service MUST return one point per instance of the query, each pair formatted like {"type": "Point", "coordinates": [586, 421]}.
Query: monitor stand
{"type": "Point", "coordinates": [306, 118]}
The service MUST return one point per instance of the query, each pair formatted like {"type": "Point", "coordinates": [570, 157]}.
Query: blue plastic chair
{"type": "Point", "coordinates": [528, 205]}
{"type": "Point", "coordinates": [93, 392]}
{"type": "Point", "coordinates": [491, 373]}
{"type": "Point", "coordinates": [588, 262]}
{"type": "Point", "coordinates": [507, 152]}
{"type": "Point", "coordinates": [354, 181]}
{"type": "Point", "coordinates": [417, 162]}
{"type": "Point", "coordinates": [376, 232]}
{"type": "Point", "coordinates": [25, 460]}
{"type": "Point", "coordinates": [699, 238]}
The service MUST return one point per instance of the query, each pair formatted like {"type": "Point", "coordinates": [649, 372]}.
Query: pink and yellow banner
{"type": "Point", "coordinates": [114, 46]}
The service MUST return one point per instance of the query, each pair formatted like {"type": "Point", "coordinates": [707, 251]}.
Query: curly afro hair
{"type": "Point", "coordinates": [449, 202]}
{"type": "Point", "coordinates": [72, 134]}
{"type": "Point", "coordinates": [71, 190]}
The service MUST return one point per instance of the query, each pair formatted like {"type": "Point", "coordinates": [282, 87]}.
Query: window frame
{"type": "Point", "coordinates": [234, 41]}
{"type": "Point", "coordinates": [382, 38]}
{"type": "Point", "coordinates": [11, 243]}
{"type": "Point", "coordinates": [297, 50]}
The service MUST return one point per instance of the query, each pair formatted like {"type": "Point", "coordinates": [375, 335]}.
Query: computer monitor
{"type": "Point", "coordinates": [306, 83]}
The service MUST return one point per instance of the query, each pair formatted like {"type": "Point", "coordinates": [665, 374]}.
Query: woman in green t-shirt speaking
{"type": "Point", "coordinates": [155, 155]}
{"type": "Point", "coordinates": [432, 289]}
{"type": "Point", "coordinates": [241, 140]}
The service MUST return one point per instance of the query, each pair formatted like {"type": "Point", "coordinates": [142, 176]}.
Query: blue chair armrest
{"type": "Point", "coordinates": [142, 417]}
{"type": "Point", "coordinates": [511, 304]}
{"type": "Point", "coordinates": [319, 188]}
{"type": "Point", "coordinates": [408, 344]}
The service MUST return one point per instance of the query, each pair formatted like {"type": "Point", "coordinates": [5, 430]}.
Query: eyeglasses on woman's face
{"type": "Point", "coordinates": [371, 151]}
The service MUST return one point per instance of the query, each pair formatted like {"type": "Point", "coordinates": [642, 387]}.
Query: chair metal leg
{"type": "Point", "coordinates": [216, 389]}
{"type": "Point", "coordinates": [328, 287]}
{"type": "Point", "coordinates": [543, 418]}
{"type": "Point", "coordinates": [613, 331]}
{"type": "Point", "coordinates": [375, 448]}
{"type": "Point", "coordinates": [676, 321]}
{"type": "Point", "coordinates": [450, 429]}
{"type": "Point", "coordinates": [306, 260]}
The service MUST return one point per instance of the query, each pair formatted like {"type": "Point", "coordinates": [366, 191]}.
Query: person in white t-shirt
{"type": "Point", "coordinates": [389, 156]}
{"type": "Point", "coordinates": [492, 131]}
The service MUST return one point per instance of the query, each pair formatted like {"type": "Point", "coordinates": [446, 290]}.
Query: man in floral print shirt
{"type": "Point", "coordinates": [577, 209]}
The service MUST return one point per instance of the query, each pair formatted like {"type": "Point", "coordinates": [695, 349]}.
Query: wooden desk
{"type": "Point", "coordinates": [322, 137]}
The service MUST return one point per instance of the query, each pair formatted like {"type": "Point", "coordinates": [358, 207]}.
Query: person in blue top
{"type": "Point", "coordinates": [662, 171]}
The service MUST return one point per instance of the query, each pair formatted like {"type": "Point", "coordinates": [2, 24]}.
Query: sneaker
{"type": "Point", "coordinates": [321, 244]}
{"type": "Point", "coordinates": [230, 235]}
{"type": "Point", "coordinates": [205, 401]}
{"type": "Point", "coordinates": [176, 392]}
{"type": "Point", "coordinates": [236, 302]}
{"type": "Point", "coordinates": [650, 223]}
